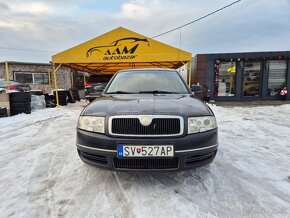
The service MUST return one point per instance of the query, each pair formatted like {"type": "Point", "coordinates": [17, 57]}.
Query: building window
{"type": "Point", "coordinates": [31, 77]}
{"type": "Point", "coordinates": [277, 76]}
{"type": "Point", "coordinates": [225, 79]}
{"type": "Point", "coordinates": [251, 84]}
{"type": "Point", "coordinates": [23, 77]}
{"type": "Point", "coordinates": [40, 78]}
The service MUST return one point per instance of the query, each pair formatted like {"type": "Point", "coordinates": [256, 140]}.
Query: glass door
{"type": "Point", "coordinates": [226, 79]}
{"type": "Point", "coordinates": [277, 76]}
{"type": "Point", "coordinates": [251, 78]}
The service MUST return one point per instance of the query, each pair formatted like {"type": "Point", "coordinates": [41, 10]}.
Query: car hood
{"type": "Point", "coordinates": [148, 104]}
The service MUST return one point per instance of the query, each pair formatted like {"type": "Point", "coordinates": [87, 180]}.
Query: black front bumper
{"type": "Point", "coordinates": [191, 151]}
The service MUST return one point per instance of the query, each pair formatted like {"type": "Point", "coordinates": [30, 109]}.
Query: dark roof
{"type": "Point", "coordinates": [243, 52]}
{"type": "Point", "coordinates": [151, 69]}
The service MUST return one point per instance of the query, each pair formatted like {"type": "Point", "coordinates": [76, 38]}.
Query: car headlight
{"type": "Point", "coordinates": [201, 124]}
{"type": "Point", "coordinates": [92, 124]}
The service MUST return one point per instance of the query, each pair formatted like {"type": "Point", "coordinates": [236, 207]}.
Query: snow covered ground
{"type": "Point", "coordinates": [42, 176]}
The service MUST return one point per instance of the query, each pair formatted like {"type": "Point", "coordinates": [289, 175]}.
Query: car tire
{"type": "Point", "coordinates": [16, 111]}
{"type": "Point", "coordinates": [70, 98]}
{"type": "Point", "coordinates": [50, 100]}
{"type": "Point", "coordinates": [19, 96]}
{"type": "Point", "coordinates": [36, 92]}
{"type": "Point", "coordinates": [62, 103]}
{"type": "Point", "coordinates": [19, 110]}
{"type": "Point", "coordinates": [75, 94]}
{"type": "Point", "coordinates": [62, 98]}
{"type": "Point", "coordinates": [3, 112]}
{"type": "Point", "coordinates": [19, 104]}
{"type": "Point", "coordinates": [50, 105]}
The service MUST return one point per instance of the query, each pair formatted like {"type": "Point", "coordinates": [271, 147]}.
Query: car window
{"type": "Point", "coordinates": [146, 81]}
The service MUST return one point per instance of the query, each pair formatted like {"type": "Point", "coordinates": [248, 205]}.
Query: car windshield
{"type": "Point", "coordinates": [131, 82]}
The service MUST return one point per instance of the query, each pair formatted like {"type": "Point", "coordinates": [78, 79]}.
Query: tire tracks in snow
{"type": "Point", "coordinates": [20, 128]}
{"type": "Point", "coordinates": [79, 201]}
{"type": "Point", "coordinates": [120, 199]}
{"type": "Point", "coordinates": [38, 182]}
{"type": "Point", "coordinates": [112, 201]}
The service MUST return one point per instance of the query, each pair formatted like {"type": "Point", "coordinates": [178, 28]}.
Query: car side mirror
{"type": "Point", "coordinates": [196, 88]}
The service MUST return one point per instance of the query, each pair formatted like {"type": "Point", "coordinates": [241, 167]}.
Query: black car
{"type": "Point", "coordinates": [147, 119]}
{"type": "Point", "coordinates": [95, 86]}
{"type": "Point", "coordinates": [14, 85]}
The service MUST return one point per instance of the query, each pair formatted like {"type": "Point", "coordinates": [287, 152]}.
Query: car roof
{"type": "Point", "coordinates": [147, 69]}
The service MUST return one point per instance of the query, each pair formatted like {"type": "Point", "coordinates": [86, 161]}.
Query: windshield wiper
{"type": "Point", "coordinates": [159, 92]}
{"type": "Point", "coordinates": [120, 92]}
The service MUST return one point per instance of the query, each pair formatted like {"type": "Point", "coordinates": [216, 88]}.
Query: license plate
{"type": "Point", "coordinates": [145, 151]}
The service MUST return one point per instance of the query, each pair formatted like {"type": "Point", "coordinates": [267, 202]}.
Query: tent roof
{"type": "Point", "coordinates": [121, 49]}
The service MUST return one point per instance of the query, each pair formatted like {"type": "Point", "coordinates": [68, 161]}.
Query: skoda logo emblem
{"type": "Point", "coordinates": [145, 120]}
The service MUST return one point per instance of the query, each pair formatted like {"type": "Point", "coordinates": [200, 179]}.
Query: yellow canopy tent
{"type": "Point", "coordinates": [120, 49]}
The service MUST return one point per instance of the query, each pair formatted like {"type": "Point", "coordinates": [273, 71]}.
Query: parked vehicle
{"type": "Point", "coordinates": [14, 85]}
{"type": "Point", "coordinates": [95, 86]}
{"type": "Point", "coordinates": [147, 119]}
{"type": "Point", "coordinates": [201, 92]}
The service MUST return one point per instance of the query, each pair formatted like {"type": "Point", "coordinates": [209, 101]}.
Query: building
{"type": "Point", "coordinates": [39, 76]}
{"type": "Point", "coordinates": [243, 76]}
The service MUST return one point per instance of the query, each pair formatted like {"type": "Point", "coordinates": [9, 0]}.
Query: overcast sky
{"type": "Point", "coordinates": [56, 25]}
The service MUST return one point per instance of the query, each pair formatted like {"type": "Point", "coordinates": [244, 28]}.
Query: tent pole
{"type": "Point", "coordinates": [7, 75]}
{"type": "Point", "coordinates": [55, 83]}
{"type": "Point", "coordinates": [49, 82]}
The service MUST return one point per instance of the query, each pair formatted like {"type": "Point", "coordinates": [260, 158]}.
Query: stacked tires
{"type": "Point", "coordinates": [20, 103]}
{"type": "Point", "coordinates": [50, 100]}
{"type": "Point", "coordinates": [75, 95]}
{"type": "Point", "coordinates": [36, 92]}
{"type": "Point", "coordinates": [3, 112]}
{"type": "Point", "coordinates": [70, 98]}
{"type": "Point", "coordinates": [61, 97]}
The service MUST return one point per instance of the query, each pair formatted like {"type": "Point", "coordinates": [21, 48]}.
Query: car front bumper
{"type": "Point", "coordinates": [190, 151]}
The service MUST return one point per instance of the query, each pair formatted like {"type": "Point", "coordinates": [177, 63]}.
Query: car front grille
{"type": "Point", "coordinates": [146, 163]}
{"type": "Point", "coordinates": [160, 126]}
